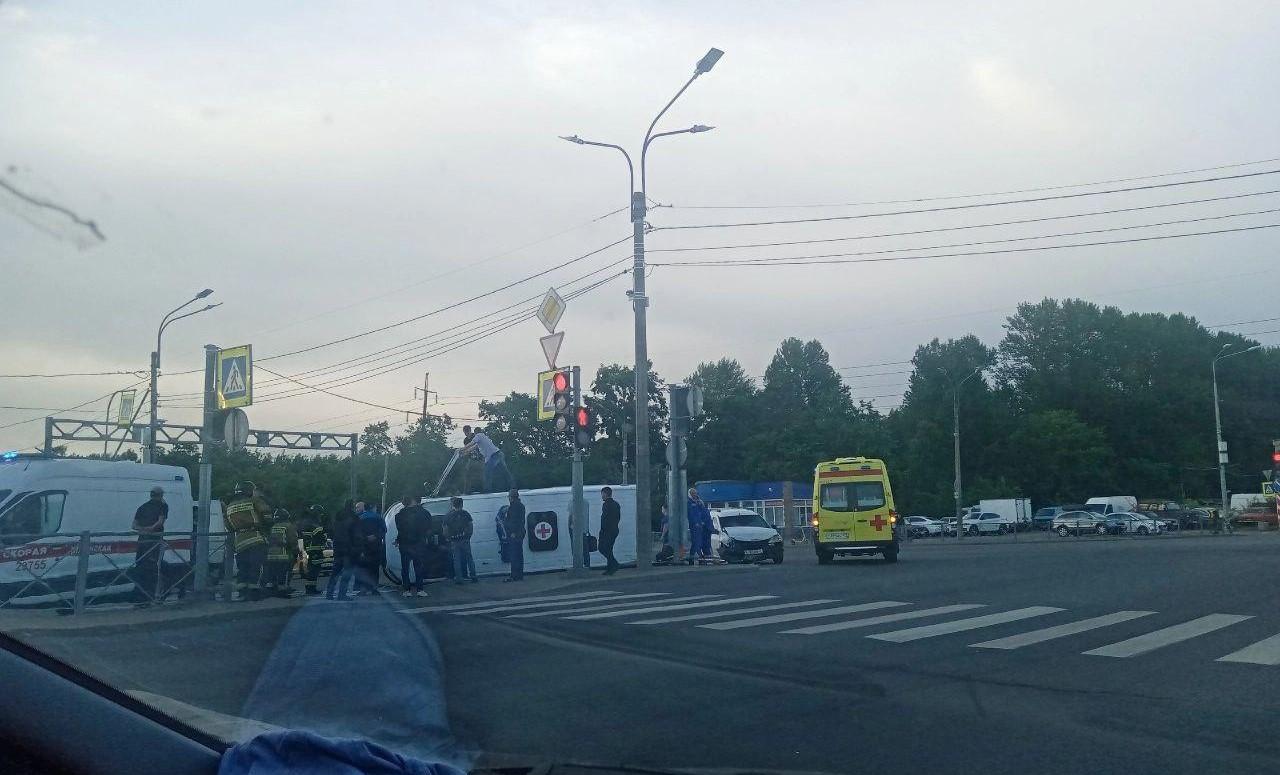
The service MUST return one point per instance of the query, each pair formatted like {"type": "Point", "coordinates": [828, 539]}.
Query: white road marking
{"type": "Point", "coordinates": [591, 606]}
{"type": "Point", "coordinates": [486, 603]}
{"type": "Point", "coordinates": [961, 625]}
{"type": "Point", "coordinates": [1167, 636]}
{"type": "Point", "coordinates": [886, 618]}
{"type": "Point", "coordinates": [677, 607]}
{"type": "Point", "coordinates": [558, 604]}
{"type": "Point", "coordinates": [798, 615]}
{"type": "Point", "coordinates": [1264, 652]}
{"type": "Point", "coordinates": [1060, 631]}
{"type": "Point", "coordinates": [734, 612]}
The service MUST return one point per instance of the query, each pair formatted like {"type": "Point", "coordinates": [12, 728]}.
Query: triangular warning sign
{"type": "Point", "coordinates": [551, 347]}
{"type": "Point", "coordinates": [234, 382]}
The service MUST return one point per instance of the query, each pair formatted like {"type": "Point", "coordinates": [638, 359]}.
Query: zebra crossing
{"type": "Point", "coordinates": [886, 621]}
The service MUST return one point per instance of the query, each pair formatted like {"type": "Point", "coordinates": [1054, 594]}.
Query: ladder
{"type": "Point", "coordinates": [448, 469]}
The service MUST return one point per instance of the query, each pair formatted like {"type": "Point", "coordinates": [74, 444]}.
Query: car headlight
{"type": "Point", "coordinates": [728, 541]}
{"type": "Point", "coordinates": [775, 540]}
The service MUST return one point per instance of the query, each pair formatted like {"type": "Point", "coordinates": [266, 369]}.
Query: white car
{"type": "Point", "coordinates": [987, 522]}
{"type": "Point", "coordinates": [922, 527]}
{"type": "Point", "coordinates": [741, 535]}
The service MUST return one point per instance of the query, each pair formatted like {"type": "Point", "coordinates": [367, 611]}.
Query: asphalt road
{"type": "Point", "coordinates": [876, 668]}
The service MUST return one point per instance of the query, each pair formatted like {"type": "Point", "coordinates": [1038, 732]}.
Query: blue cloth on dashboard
{"type": "Point", "coordinates": [291, 751]}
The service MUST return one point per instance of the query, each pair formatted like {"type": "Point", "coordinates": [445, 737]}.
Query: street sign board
{"type": "Point", "coordinates": [550, 310]}
{"type": "Point", "coordinates": [551, 347]}
{"type": "Point", "coordinates": [547, 394]}
{"type": "Point", "coordinates": [236, 429]}
{"type": "Point", "coordinates": [677, 452]}
{"type": "Point", "coordinates": [234, 377]}
{"type": "Point", "coordinates": [127, 400]}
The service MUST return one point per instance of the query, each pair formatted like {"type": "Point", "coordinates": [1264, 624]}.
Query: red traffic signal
{"type": "Point", "coordinates": [583, 417]}
{"type": "Point", "coordinates": [560, 382]}
{"type": "Point", "coordinates": [1275, 457]}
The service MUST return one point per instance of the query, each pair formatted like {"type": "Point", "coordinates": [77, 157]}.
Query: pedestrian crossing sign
{"type": "Point", "coordinates": [235, 377]}
{"type": "Point", "coordinates": [547, 394]}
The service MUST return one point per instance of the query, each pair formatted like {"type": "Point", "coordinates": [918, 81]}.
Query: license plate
{"type": "Point", "coordinates": [836, 535]}
{"type": "Point", "coordinates": [752, 552]}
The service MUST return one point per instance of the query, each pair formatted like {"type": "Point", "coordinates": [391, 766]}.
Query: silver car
{"type": "Point", "coordinates": [1079, 523]}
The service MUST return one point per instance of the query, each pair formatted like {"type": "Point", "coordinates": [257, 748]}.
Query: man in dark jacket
{"type": "Point", "coordinates": [459, 527]}
{"type": "Point", "coordinates": [344, 527]}
{"type": "Point", "coordinates": [371, 531]}
{"type": "Point", "coordinates": [148, 520]}
{"type": "Point", "coordinates": [514, 527]}
{"type": "Point", "coordinates": [413, 523]}
{"type": "Point", "coordinates": [610, 519]}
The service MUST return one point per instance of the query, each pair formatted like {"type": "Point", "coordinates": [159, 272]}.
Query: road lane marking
{"type": "Point", "coordinates": [678, 607]}
{"type": "Point", "coordinates": [961, 625]}
{"type": "Point", "coordinates": [598, 605]}
{"type": "Point", "coordinates": [1264, 652]}
{"type": "Point", "coordinates": [734, 612]}
{"type": "Point", "coordinates": [486, 603]}
{"type": "Point", "coordinates": [1167, 636]}
{"type": "Point", "coordinates": [1060, 631]}
{"type": "Point", "coordinates": [886, 618]}
{"type": "Point", "coordinates": [798, 615]}
{"type": "Point", "coordinates": [557, 604]}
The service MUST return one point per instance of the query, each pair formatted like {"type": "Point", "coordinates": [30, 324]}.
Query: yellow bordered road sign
{"type": "Point", "coordinates": [234, 377]}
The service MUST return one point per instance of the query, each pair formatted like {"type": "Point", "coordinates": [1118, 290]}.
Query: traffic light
{"type": "Point", "coordinates": [562, 400]}
{"type": "Point", "coordinates": [584, 424]}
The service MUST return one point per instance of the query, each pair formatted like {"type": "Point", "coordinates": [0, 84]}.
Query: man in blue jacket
{"type": "Point", "coordinates": [699, 528]}
{"type": "Point", "coordinates": [372, 530]}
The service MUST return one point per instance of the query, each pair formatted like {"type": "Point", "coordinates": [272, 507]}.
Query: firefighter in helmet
{"type": "Point", "coordinates": [246, 517]}
{"type": "Point", "coordinates": [282, 553]}
{"type": "Point", "coordinates": [312, 539]}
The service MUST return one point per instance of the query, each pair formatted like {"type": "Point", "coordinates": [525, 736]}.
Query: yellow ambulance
{"type": "Point", "coordinates": [853, 511]}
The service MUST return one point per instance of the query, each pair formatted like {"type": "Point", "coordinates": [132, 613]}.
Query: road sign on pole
{"type": "Point", "coordinates": [125, 417]}
{"type": "Point", "coordinates": [551, 309]}
{"type": "Point", "coordinates": [234, 377]}
{"type": "Point", "coordinates": [236, 429]}
{"type": "Point", "coordinates": [547, 393]}
{"type": "Point", "coordinates": [551, 347]}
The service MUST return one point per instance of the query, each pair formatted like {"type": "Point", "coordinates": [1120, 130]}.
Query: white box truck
{"type": "Point", "coordinates": [1111, 504]}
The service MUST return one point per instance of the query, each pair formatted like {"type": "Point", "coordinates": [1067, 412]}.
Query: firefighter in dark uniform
{"type": "Point", "coordinates": [246, 517]}
{"type": "Point", "coordinates": [313, 538]}
{"type": "Point", "coordinates": [282, 553]}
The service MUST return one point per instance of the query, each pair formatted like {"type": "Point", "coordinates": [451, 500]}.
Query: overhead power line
{"type": "Point", "coordinates": [1010, 192]}
{"type": "Point", "coordinates": [73, 374]}
{"type": "Point", "coordinates": [1032, 237]}
{"type": "Point", "coordinates": [990, 224]}
{"type": "Point", "coordinates": [870, 365]}
{"type": "Point", "coordinates": [1053, 197]}
{"type": "Point", "coordinates": [821, 260]}
{"type": "Point", "coordinates": [1241, 322]}
{"type": "Point", "coordinates": [71, 408]}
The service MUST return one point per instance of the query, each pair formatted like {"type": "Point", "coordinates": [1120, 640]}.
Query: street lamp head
{"type": "Point", "coordinates": [696, 128]}
{"type": "Point", "coordinates": [204, 293]}
{"type": "Point", "coordinates": [1226, 346]}
{"type": "Point", "coordinates": [1251, 349]}
{"type": "Point", "coordinates": [707, 62]}
{"type": "Point", "coordinates": [573, 139]}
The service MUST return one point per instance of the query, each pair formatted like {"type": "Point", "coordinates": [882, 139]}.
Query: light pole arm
{"type": "Point", "coordinates": [649, 136]}
{"type": "Point", "coordinates": [631, 170]}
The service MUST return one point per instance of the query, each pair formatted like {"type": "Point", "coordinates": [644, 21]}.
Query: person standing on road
{"type": "Point", "coordinates": [610, 520]}
{"type": "Point", "coordinates": [148, 521]}
{"type": "Point", "coordinates": [282, 553]}
{"type": "Point", "coordinates": [311, 540]}
{"type": "Point", "coordinates": [459, 527]}
{"type": "Point", "coordinates": [247, 517]}
{"type": "Point", "coordinates": [412, 524]}
{"type": "Point", "coordinates": [699, 528]}
{"type": "Point", "coordinates": [514, 527]}
{"type": "Point", "coordinates": [372, 531]}
{"type": "Point", "coordinates": [344, 557]}
{"type": "Point", "coordinates": [497, 477]}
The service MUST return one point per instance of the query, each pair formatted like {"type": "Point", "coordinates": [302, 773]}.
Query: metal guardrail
{"type": "Point", "coordinates": [39, 563]}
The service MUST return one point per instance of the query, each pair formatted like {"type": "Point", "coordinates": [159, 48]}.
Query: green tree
{"type": "Point", "coordinates": [720, 441]}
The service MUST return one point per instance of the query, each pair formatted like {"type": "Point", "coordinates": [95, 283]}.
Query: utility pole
{"type": "Point", "coordinates": [385, 460]}
{"type": "Point", "coordinates": [626, 431]}
{"type": "Point", "coordinates": [426, 393]}
{"type": "Point", "coordinates": [578, 515]}
{"type": "Point", "coordinates": [204, 513]}
{"type": "Point", "coordinates": [149, 449]}
{"type": "Point", "coordinates": [955, 432]}
{"type": "Point", "coordinates": [640, 304]}
{"type": "Point", "coordinates": [1217, 423]}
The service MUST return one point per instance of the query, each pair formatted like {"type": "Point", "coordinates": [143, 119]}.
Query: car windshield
{"type": "Point", "coordinates": [801, 274]}
{"type": "Point", "coordinates": [742, 520]}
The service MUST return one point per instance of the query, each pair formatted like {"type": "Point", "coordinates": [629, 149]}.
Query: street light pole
{"type": "Point", "coordinates": [1217, 423]}
{"type": "Point", "coordinates": [955, 419]}
{"type": "Point", "coordinates": [640, 304]}
{"type": "Point", "coordinates": [150, 448]}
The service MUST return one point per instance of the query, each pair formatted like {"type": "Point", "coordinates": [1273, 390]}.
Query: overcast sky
{"type": "Point", "coordinates": [329, 168]}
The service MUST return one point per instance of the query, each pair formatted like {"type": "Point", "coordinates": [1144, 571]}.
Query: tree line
{"type": "Point", "coordinates": [1075, 400]}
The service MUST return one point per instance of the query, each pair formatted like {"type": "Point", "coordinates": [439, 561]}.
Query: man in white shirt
{"type": "Point", "coordinates": [497, 477]}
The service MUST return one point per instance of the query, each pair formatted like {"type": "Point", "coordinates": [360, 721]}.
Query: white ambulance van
{"type": "Point", "coordinates": [58, 498]}
{"type": "Point", "coordinates": [546, 543]}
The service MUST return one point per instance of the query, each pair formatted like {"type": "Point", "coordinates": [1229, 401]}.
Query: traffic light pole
{"type": "Point", "coordinates": [578, 514]}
